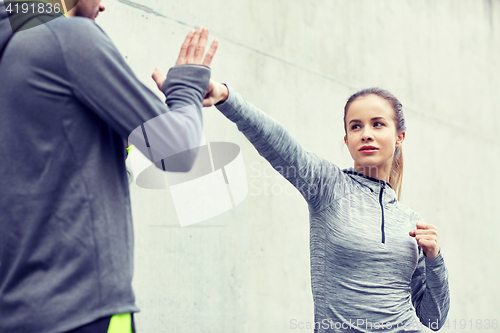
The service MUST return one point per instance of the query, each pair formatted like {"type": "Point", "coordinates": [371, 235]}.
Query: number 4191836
{"type": "Point", "coordinates": [40, 8]}
{"type": "Point", "coordinates": [477, 324]}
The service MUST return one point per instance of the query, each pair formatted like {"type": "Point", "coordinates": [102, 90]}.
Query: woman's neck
{"type": "Point", "coordinates": [380, 172]}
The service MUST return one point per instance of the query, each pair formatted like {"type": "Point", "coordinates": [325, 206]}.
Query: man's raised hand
{"type": "Point", "coordinates": [193, 49]}
{"type": "Point", "coordinates": [192, 53]}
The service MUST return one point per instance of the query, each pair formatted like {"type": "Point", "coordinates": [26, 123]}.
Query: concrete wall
{"type": "Point", "coordinates": [247, 270]}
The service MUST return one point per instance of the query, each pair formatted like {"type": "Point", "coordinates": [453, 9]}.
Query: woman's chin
{"type": "Point", "coordinates": [366, 163]}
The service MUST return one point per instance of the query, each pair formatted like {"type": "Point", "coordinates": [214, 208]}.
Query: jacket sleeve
{"type": "Point", "coordinates": [305, 170]}
{"type": "Point", "coordinates": [103, 82]}
{"type": "Point", "coordinates": [430, 293]}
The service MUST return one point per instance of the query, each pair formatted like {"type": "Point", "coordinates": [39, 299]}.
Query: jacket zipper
{"type": "Point", "coordinates": [382, 186]}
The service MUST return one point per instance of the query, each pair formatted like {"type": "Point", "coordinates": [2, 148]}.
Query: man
{"type": "Point", "coordinates": [68, 103]}
{"type": "Point", "coordinates": [89, 9]}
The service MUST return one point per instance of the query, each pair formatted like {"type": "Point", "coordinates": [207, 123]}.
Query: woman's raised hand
{"type": "Point", "coordinates": [216, 92]}
{"type": "Point", "coordinates": [192, 53]}
{"type": "Point", "coordinates": [427, 238]}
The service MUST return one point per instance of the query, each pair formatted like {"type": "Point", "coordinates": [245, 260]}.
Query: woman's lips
{"type": "Point", "coordinates": [368, 150]}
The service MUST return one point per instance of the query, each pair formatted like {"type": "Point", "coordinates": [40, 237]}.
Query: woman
{"type": "Point", "coordinates": [375, 265]}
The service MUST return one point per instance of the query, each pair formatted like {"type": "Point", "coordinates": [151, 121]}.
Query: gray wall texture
{"type": "Point", "coordinates": [247, 270]}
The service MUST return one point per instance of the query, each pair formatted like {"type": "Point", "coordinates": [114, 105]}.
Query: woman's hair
{"type": "Point", "coordinates": [396, 176]}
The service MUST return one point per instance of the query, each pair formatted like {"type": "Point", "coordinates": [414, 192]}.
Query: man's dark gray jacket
{"type": "Point", "coordinates": [68, 102]}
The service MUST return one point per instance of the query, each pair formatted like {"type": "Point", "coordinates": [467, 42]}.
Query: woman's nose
{"type": "Point", "coordinates": [367, 136]}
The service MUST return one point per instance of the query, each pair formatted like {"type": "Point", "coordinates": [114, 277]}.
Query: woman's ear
{"type": "Point", "coordinates": [345, 140]}
{"type": "Point", "coordinates": [400, 138]}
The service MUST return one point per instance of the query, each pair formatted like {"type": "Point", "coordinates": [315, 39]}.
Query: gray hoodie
{"type": "Point", "coordinates": [68, 102]}
{"type": "Point", "coordinates": [367, 273]}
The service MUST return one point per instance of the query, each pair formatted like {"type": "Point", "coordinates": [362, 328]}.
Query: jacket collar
{"type": "Point", "coordinates": [372, 184]}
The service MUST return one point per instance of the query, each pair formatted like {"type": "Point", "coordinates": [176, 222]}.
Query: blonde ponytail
{"type": "Point", "coordinates": [396, 177]}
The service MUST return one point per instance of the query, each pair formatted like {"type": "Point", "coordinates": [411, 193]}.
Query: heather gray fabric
{"type": "Point", "coordinates": [365, 268]}
{"type": "Point", "coordinates": [68, 102]}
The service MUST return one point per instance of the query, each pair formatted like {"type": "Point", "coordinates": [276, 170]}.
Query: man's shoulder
{"type": "Point", "coordinates": [80, 37]}
{"type": "Point", "coordinates": [76, 29]}
{"type": "Point", "coordinates": [74, 24]}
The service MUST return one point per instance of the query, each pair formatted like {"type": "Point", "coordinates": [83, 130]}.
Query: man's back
{"type": "Point", "coordinates": [66, 246]}
{"type": "Point", "coordinates": [67, 189]}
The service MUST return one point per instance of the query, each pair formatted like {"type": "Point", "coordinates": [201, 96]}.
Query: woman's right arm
{"type": "Point", "coordinates": [309, 173]}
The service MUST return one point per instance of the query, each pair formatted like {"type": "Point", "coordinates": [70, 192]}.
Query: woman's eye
{"type": "Point", "coordinates": [378, 124]}
{"type": "Point", "coordinates": [354, 127]}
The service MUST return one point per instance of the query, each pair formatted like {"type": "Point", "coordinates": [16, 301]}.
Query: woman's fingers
{"type": "Point", "coordinates": [423, 228]}
{"type": "Point", "coordinates": [207, 102]}
{"type": "Point", "coordinates": [422, 225]}
{"type": "Point", "coordinates": [425, 234]}
{"type": "Point", "coordinates": [216, 92]}
{"type": "Point", "coordinates": [211, 94]}
{"type": "Point", "coordinates": [429, 247]}
{"type": "Point", "coordinates": [427, 238]}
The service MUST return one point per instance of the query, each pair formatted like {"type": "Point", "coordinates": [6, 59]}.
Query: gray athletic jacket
{"type": "Point", "coordinates": [68, 102]}
{"type": "Point", "coordinates": [367, 273]}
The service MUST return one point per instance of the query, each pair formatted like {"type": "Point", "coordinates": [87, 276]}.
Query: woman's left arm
{"type": "Point", "coordinates": [430, 293]}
